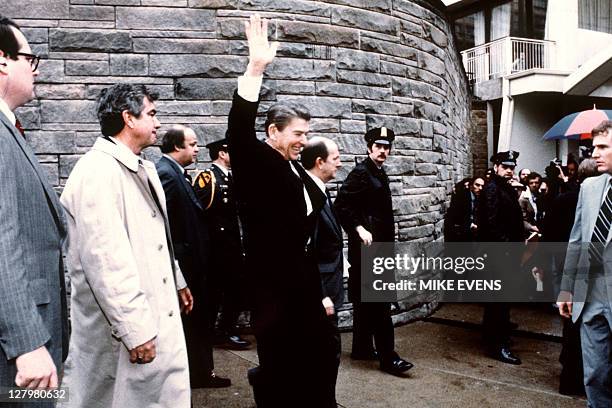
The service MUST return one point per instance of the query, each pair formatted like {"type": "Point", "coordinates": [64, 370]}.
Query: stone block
{"type": "Point", "coordinates": [68, 111]}
{"type": "Point", "coordinates": [165, 3]}
{"type": "Point", "coordinates": [180, 46]}
{"type": "Point", "coordinates": [425, 169]}
{"type": "Point", "coordinates": [51, 142]}
{"type": "Point", "coordinates": [408, 234]}
{"type": "Point", "coordinates": [374, 5]}
{"type": "Point", "coordinates": [352, 91]}
{"type": "Point", "coordinates": [317, 33]}
{"type": "Point", "coordinates": [400, 125]}
{"type": "Point", "coordinates": [352, 126]}
{"type": "Point", "coordinates": [323, 125]}
{"type": "Point", "coordinates": [161, 18]}
{"type": "Point", "coordinates": [89, 40]}
{"type": "Point", "coordinates": [392, 68]}
{"type": "Point", "coordinates": [207, 89]}
{"type": "Point", "coordinates": [184, 108]}
{"type": "Point", "coordinates": [95, 68]}
{"type": "Point", "coordinates": [356, 18]}
{"type": "Point", "coordinates": [291, 68]}
{"type": "Point", "coordinates": [95, 13]}
{"type": "Point", "coordinates": [429, 157]}
{"type": "Point", "coordinates": [382, 108]}
{"type": "Point", "coordinates": [420, 181]}
{"type": "Point", "coordinates": [310, 8]}
{"type": "Point", "coordinates": [388, 48]}
{"type": "Point", "coordinates": [357, 60]}
{"type": "Point", "coordinates": [33, 9]}
{"type": "Point", "coordinates": [295, 87]}
{"type": "Point", "coordinates": [29, 116]}
{"type": "Point", "coordinates": [128, 65]}
{"type": "Point", "coordinates": [431, 63]}
{"type": "Point", "coordinates": [363, 78]}
{"type": "Point", "coordinates": [212, 4]}
{"type": "Point", "coordinates": [399, 165]}
{"type": "Point", "coordinates": [411, 27]}
{"type": "Point", "coordinates": [119, 2]}
{"type": "Point", "coordinates": [411, 204]}
{"type": "Point", "coordinates": [412, 143]}
{"type": "Point", "coordinates": [177, 65]}
{"type": "Point", "coordinates": [209, 132]}
{"type": "Point", "coordinates": [36, 35]}
{"type": "Point", "coordinates": [64, 91]}
{"type": "Point", "coordinates": [221, 108]}
{"type": "Point", "coordinates": [409, 88]}
{"type": "Point", "coordinates": [322, 107]}
{"type": "Point", "coordinates": [428, 111]}
{"type": "Point", "coordinates": [67, 163]}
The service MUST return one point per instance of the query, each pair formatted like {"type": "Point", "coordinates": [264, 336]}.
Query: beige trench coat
{"type": "Point", "coordinates": [124, 291]}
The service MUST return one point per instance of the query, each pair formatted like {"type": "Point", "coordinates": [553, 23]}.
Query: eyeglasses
{"type": "Point", "coordinates": [33, 59]}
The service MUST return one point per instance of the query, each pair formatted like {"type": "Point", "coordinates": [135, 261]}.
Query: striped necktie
{"type": "Point", "coordinates": [602, 228]}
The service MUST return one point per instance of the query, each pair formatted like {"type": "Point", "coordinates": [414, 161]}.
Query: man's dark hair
{"type": "Point", "coordinates": [601, 128]}
{"type": "Point", "coordinates": [533, 175]}
{"type": "Point", "coordinates": [281, 113]}
{"type": "Point", "coordinates": [118, 98]}
{"type": "Point", "coordinates": [214, 152]}
{"type": "Point", "coordinates": [311, 152]}
{"type": "Point", "coordinates": [8, 41]}
{"type": "Point", "coordinates": [174, 137]}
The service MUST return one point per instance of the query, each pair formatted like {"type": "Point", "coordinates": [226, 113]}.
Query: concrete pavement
{"type": "Point", "coordinates": [450, 368]}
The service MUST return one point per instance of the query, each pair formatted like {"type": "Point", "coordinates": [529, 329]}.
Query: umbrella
{"type": "Point", "coordinates": [577, 125]}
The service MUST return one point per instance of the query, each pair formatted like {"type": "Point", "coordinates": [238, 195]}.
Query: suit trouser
{"type": "Point", "coordinates": [198, 339]}
{"type": "Point", "coordinates": [496, 324]}
{"type": "Point", "coordinates": [373, 320]}
{"type": "Point", "coordinates": [596, 339]}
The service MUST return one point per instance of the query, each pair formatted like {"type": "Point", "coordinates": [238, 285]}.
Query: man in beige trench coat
{"type": "Point", "coordinates": [127, 347]}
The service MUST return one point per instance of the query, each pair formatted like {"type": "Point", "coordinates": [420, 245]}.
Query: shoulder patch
{"type": "Point", "coordinates": [204, 187]}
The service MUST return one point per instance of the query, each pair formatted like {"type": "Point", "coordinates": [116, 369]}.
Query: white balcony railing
{"type": "Point", "coordinates": [507, 56]}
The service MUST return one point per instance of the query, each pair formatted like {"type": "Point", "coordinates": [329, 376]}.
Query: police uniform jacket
{"type": "Point", "coordinates": [500, 218]}
{"type": "Point", "coordinates": [364, 199]}
{"type": "Point", "coordinates": [223, 218]}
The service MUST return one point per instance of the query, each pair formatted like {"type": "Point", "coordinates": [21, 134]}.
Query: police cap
{"type": "Point", "coordinates": [380, 135]}
{"type": "Point", "coordinates": [506, 158]}
{"type": "Point", "coordinates": [218, 145]}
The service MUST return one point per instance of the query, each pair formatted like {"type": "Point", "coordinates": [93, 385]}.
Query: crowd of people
{"type": "Point", "coordinates": [502, 206]}
{"type": "Point", "coordinates": [155, 255]}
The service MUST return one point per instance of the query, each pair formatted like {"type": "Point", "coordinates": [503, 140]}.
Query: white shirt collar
{"type": "Point", "coordinates": [317, 180]}
{"type": "Point", "coordinates": [223, 169]}
{"type": "Point", "coordinates": [177, 164]}
{"type": "Point", "coordinates": [7, 112]}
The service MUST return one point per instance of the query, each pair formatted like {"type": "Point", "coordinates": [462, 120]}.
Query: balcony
{"type": "Point", "coordinates": [506, 56]}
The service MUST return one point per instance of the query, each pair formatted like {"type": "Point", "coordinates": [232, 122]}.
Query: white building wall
{"type": "Point", "coordinates": [532, 118]}
{"type": "Point", "coordinates": [573, 45]}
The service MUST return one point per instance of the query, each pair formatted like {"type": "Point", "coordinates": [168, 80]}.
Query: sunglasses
{"type": "Point", "coordinates": [33, 59]}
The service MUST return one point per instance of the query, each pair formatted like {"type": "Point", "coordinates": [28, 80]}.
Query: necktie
{"type": "Point", "coordinates": [602, 228]}
{"type": "Point", "coordinates": [187, 176]}
{"type": "Point", "coordinates": [20, 128]}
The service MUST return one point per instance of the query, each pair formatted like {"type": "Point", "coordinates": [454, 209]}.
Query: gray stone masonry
{"type": "Point", "coordinates": [356, 64]}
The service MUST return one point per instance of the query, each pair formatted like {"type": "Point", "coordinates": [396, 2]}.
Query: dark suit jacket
{"type": "Point", "coordinates": [273, 214]}
{"type": "Point", "coordinates": [328, 253]}
{"type": "Point", "coordinates": [32, 230]}
{"type": "Point", "coordinates": [364, 199]}
{"type": "Point", "coordinates": [187, 225]}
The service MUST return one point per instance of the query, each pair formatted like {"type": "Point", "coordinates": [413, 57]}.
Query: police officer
{"type": "Point", "coordinates": [500, 219]}
{"type": "Point", "coordinates": [365, 210]}
{"type": "Point", "coordinates": [214, 188]}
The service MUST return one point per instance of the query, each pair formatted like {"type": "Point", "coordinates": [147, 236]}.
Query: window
{"type": "Point", "coordinates": [595, 15]}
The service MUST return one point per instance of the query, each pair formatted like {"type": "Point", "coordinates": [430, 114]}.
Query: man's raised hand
{"type": "Point", "coordinates": [261, 52]}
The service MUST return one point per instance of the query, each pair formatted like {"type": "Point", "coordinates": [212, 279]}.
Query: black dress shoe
{"type": "Point", "coordinates": [212, 381]}
{"type": "Point", "coordinates": [397, 366]}
{"type": "Point", "coordinates": [237, 343]}
{"type": "Point", "coordinates": [505, 355]}
{"type": "Point", "coordinates": [369, 356]}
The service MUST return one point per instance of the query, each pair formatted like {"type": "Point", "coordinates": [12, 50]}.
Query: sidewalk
{"type": "Point", "coordinates": [450, 369]}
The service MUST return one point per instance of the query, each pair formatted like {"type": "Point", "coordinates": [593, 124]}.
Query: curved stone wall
{"type": "Point", "coordinates": [355, 63]}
